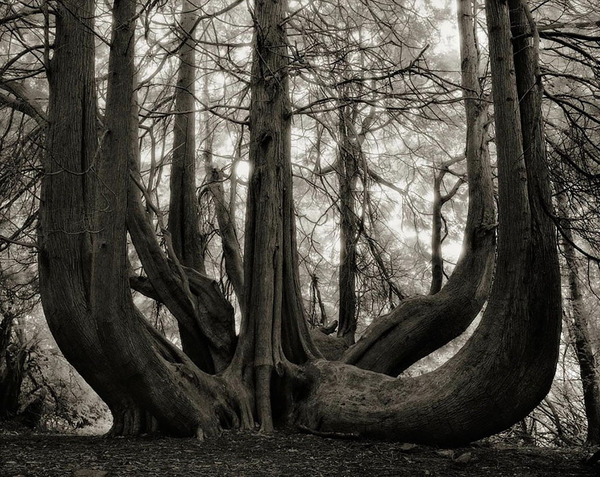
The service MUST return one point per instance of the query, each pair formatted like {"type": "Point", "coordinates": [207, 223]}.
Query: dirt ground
{"type": "Point", "coordinates": [283, 454]}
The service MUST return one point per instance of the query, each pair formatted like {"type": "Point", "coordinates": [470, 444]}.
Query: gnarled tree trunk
{"type": "Point", "coordinates": [144, 379]}
{"type": "Point", "coordinates": [496, 379]}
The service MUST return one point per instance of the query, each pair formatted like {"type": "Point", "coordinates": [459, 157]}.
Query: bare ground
{"type": "Point", "coordinates": [283, 454]}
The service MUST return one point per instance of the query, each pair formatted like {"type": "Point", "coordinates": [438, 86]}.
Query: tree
{"type": "Point", "coordinates": [91, 199]}
{"type": "Point", "coordinates": [423, 324]}
{"type": "Point", "coordinates": [579, 329]}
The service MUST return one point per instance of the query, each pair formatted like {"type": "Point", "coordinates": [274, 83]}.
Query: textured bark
{"type": "Point", "coordinates": [202, 310]}
{"type": "Point", "coordinates": [274, 330]}
{"type": "Point", "coordinates": [495, 380]}
{"type": "Point", "coordinates": [66, 206]}
{"type": "Point", "coordinates": [347, 170]}
{"type": "Point", "coordinates": [145, 380]}
{"type": "Point", "coordinates": [507, 366]}
{"type": "Point", "coordinates": [421, 325]}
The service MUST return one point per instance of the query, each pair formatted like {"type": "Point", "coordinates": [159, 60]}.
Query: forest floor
{"type": "Point", "coordinates": [283, 454]}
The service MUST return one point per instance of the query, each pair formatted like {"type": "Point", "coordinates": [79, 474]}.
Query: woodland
{"type": "Point", "coordinates": [356, 219]}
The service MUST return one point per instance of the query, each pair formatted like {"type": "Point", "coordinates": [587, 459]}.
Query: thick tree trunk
{"type": "Point", "coordinates": [66, 206]}
{"type": "Point", "coordinates": [496, 379]}
{"type": "Point", "coordinates": [507, 366]}
{"type": "Point", "coordinates": [421, 325]}
{"type": "Point", "coordinates": [144, 379]}
{"type": "Point", "coordinates": [274, 331]}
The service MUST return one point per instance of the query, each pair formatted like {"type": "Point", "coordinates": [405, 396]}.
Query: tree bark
{"type": "Point", "coordinates": [66, 207]}
{"type": "Point", "coordinates": [495, 380]}
{"type": "Point", "coordinates": [421, 325]}
{"type": "Point", "coordinates": [274, 331]}
{"type": "Point", "coordinates": [348, 173]}
{"type": "Point", "coordinates": [145, 380]}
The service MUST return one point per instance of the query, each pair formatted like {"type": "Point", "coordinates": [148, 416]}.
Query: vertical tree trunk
{"type": "Point", "coordinates": [183, 205]}
{"type": "Point", "coordinates": [347, 173]}
{"type": "Point", "coordinates": [66, 206]}
{"type": "Point", "coordinates": [183, 208]}
{"type": "Point", "coordinates": [437, 260]}
{"type": "Point", "coordinates": [580, 334]}
{"type": "Point", "coordinates": [274, 330]}
{"type": "Point", "coordinates": [12, 363]}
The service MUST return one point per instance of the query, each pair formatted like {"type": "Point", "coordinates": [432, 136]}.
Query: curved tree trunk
{"type": "Point", "coordinates": [507, 366]}
{"type": "Point", "coordinates": [421, 325]}
{"type": "Point", "coordinates": [66, 206]}
{"type": "Point", "coordinates": [496, 379]}
{"type": "Point", "coordinates": [83, 262]}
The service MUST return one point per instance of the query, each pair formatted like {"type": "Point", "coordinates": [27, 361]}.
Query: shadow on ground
{"type": "Point", "coordinates": [252, 454]}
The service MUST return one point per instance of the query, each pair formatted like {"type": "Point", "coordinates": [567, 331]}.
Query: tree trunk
{"type": "Point", "coordinates": [495, 380]}
{"type": "Point", "coordinates": [66, 206]}
{"type": "Point", "coordinates": [274, 331]}
{"type": "Point", "coordinates": [12, 364]}
{"type": "Point", "coordinates": [183, 205]}
{"type": "Point", "coordinates": [507, 366]}
{"type": "Point", "coordinates": [437, 259]}
{"type": "Point", "coordinates": [421, 325]}
{"type": "Point", "coordinates": [144, 379]}
{"type": "Point", "coordinates": [580, 334]}
{"type": "Point", "coordinates": [347, 174]}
